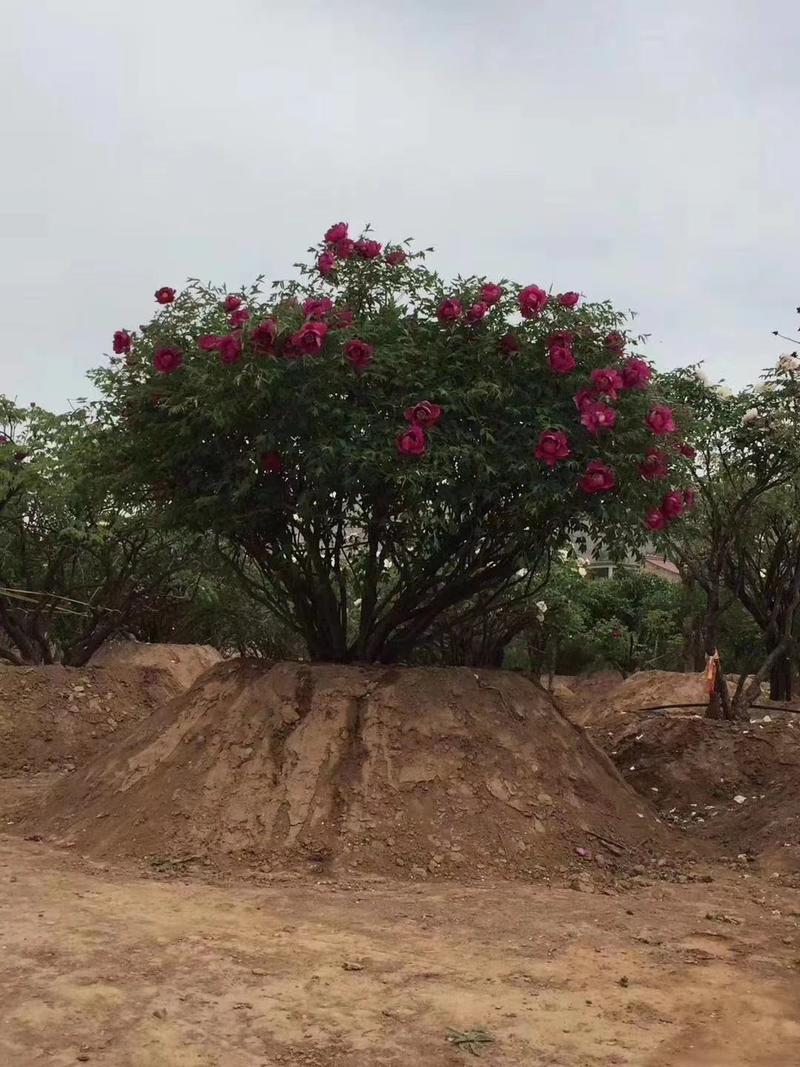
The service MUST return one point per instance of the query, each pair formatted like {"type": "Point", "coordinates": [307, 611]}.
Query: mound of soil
{"type": "Point", "coordinates": [605, 706]}
{"type": "Point", "coordinates": [184, 662]}
{"type": "Point", "coordinates": [52, 718]}
{"type": "Point", "coordinates": [695, 768]}
{"type": "Point", "coordinates": [411, 771]}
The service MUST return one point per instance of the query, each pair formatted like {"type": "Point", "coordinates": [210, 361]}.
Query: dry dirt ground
{"type": "Point", "coordinates": [112, 966]}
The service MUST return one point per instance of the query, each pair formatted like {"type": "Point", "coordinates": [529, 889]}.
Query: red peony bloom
{"type": "Point", "coordinates": [673, 505]}
{"type": "Point", "coordinates": [660, 420]}
{"type": "Point", "coordinates": [569, 300]}
{"type": "Point", "coordinates": [561, 339]}
{"type": "Point", "coordinates": [412, 442]}
{"type": "Point", "coordinates": [509, 344]}
{"type": "Point", "coordinates": [230, 349]}
{"type": "Point", "coordinates": [340, 319]}
{"type": "Point", "coordinates": [477, 312]}
{"type": "Point", "coordinates": [165, 295]}
{"type": "Point", "coordinates": [532, 300]}
{"type": "Point", "coordinates": [263, 337]}
{"type": "Point", "coordinates": [584, 398]}
{"type": "Point", "coordinates": [209, 343]}
{"type": "Point", "coordinates": [424, 414]}
{"type": "Point", "coordinates": [449, 311]}
{"type": "Point", "coordinates": [396, 257]}
{"type": "Point", "coordinates": [359, 354]}
{"type": "Point", "coordinates": [655, 519]}
{"type": "Point", "coordinates": [239, 317]}
{"type": "Point", "coordinates": [615, 341]}
{"type": "Point", "coordinates": [345, 248]}
{"type": "Point", "coordinates": [271, 462]}
{"type": "Point", "coordinates": [335, 233]}
{"type": "Point", "coordinates": [553, 445]}
{"type": "Point", "coordinates": [122, 342]}
{"type": "Point", "coordinates": [167, 360]}
{"type": "Point", "coordinates": [491, 293]}
{"type": "Point", "coordinates": [309, 339]}
{"type": "Point", "coordinates": [687, 450]}
{"type": "Point", "coordinates": [561, 360]}
{"type": "Point", "coordinates": [231, 303]}
{"type": "Point", "coordinates": [607, 382]}
{"type": "Point", "coordinates": [368, 249]}
{"type": "Point", "coordinates": [596, 417]}
{"type": "Point", "coordinates": [636, 374]}
{"type": "Point", "coordinates": [317, 307]}
{"type": "Point", "coordinates": [598, 478]}
{"type": "Point", "coordinates": [326, 264]}
{"type": "Point", "coordinates": [654, 465]}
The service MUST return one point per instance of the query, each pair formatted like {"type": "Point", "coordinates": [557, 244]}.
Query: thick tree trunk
{"type": "Point", "coordinates": [780, 679]}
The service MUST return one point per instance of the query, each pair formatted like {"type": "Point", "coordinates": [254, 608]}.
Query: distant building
{"type": "Point", "coordinates": [599, 564]}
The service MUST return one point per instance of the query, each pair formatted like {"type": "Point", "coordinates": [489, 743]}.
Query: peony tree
{"type": "Point", "coordinates": [379, 446]}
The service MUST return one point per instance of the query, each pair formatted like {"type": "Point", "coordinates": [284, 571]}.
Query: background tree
{"type": "Point", "coordinates": [372, 434]}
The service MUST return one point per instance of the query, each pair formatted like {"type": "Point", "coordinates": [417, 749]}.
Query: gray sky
{"type": "Point", "coordinates": [631, 149]}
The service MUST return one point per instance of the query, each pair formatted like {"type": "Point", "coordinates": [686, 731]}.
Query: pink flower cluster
{"type": "Point", "coordinates": [340, 247]}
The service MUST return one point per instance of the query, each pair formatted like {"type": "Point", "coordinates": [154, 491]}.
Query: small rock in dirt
{"type": "Point", "coordinates": [33, 837]}
{"type": "Point", "coordinates": [258, 973]}
{"type": "Point", "coordinates": [160, 1013]}
{"type": "Point", "coordinates": [243, 1005]}
{"type": "Point", "coordinates": [82, 1057]}
{"type": "Point", "coordinates": [624, 981]}
{"type": "Point", "coordinates": [350, 966]}
{"type": "Point", "coordinates": [639, 868]}
{"type": "Point", "coordinates": [739, 799]}
{"type": "Point", "coordinates": [719, 917]}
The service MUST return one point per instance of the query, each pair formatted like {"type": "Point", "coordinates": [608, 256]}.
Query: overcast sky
{"type": "Point", "coordinates": [632, 149]}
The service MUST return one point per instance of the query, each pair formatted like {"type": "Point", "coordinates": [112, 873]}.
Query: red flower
{"type": "Point", "coordinates": [230, 349]}
{"type": "Point", "coordinates": [584, 398]}
{"type": "Point", "coordinates": [167, 360]}
{"type": "Point", "coordinates": [568, 300]}
{"type": "Point", "coordinates": [122, 342]}
{"type": "Point", "coordinates": [317, 307]}
{"type": "Point", "coordinates": [231, 303]}
{"type": "Point", "coordinates": [335, 233]}
{"type": "Point", "coordinates": [165, 295]}
{"type": "Point", "coordinates": [271, 462]}
{"type": "Point", "coordinates": [209, 343]}
{"type": "Point", "coordinates": [689, 499]}
{"type": "Point", "coordinates": [660, 420]}
{"type": "Point", "coordinates": [396, 257]}
{"type": "Point", "coordinates": [607, 382]}
{"type": "Point", "coordinates": [509, 344]}
{"type": "Point", "coordinates": [345, 248]}
{"type": "Point", "coordinates": [412, 442]}
{"type": "Point", "coordinates": [477, 312]}
{"type": "Point", "coordinates": [491, 293]}
{"type": "Point", "coordinates": [561, 360]}
{"type": "Point", "coordinates": [553, 445]}
{"type": "Point", "coordinates": [424, 414]}
{"type": "Point", "coordinates": [673, 505]}
{"type": "Point", "coordinates": [264, 336]}
{"type": "Point", "coordinates": [655, 519]}
{"type": "Point", "coordinates": [532, 300]}
{"type": "Point", "coordinates": [309, 339]}
{"type": "Point", "coordinates": [654, 465]}
{"type": "Point", "coordinates": [239, 317]}
{"type": "Point", "coordinates": [341, 319]}
{"type": "Point", "coordinates": [368, 249]}
{"type": "Point", "coordinates": [636, 374]}
{"type": "Point", "coordinates": [449, 311]}
{"type": "Point", "coordinates": [561, 339]}
{"type": "Point", "coordinates": [687, 450]}
{"type": "Point", "coordinates": [359, 354]}
{"type": "Point", "coordinates": [598, 478]}
{"type": "Point", "coordinates": [596, 417]}
{"type": "Point", "coordinates": [615, 341]}
{"type": "Point", "coordinates": [326, 264]}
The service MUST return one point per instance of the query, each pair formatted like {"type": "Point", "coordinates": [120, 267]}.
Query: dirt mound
{"type": "Point", "coordinates": [184, 662]}
{"type": "Point", "coordinates": [405, 770]}
{"type": "Point", "coordinates": [606, 707]}
{"type": "Point", "coordinates": [737, 782]}
{"type": "Point", "coordinates": [54, 717]}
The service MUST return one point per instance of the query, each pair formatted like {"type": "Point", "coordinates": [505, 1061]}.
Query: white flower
{"type": "Point", "coordinates": [723, 391]}
{"type": "Point", "coordinates": [700, 375]}
{"type": "Point", "coordinates": [789, 363]}
{"type": "Point", "coordinates": [750, 417]}
{"type": "Point", "coordinates": [542, 606]}
{"type": "Point", "coordinates": [581, 569]}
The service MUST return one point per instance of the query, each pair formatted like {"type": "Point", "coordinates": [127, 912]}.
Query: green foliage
{"type": "Point", "coordinates": [291, 462]}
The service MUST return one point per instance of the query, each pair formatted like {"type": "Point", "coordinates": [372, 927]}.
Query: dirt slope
{"type": "Point", "coordinates": [55, 717]}
{"type": "Point", "coordinates": [184, 662]}
{"type": "Point", "coordinates": [419, 771]}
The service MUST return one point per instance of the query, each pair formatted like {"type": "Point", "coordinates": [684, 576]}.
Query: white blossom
{"type": "Point", "coordinates": [750, 417]}
{"type": "Point", "coordinates": [789, 362]}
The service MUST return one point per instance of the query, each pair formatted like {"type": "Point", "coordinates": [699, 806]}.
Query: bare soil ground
{"type": "Point", "coordinates": [184, 662]}
{"type": "Point", "coordinates": [105, 966]}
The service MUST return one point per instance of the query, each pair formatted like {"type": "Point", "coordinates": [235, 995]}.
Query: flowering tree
{"type": "Point", "coordinates": [743, 542]}
{"type": "Point", "coordinates": [383, 446]}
